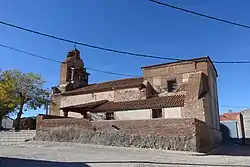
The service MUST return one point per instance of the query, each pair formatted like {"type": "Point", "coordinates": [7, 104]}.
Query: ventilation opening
{"type": "Point", "coordinates": [172, 85]}
{"type": "Point", "coordinates": [110, 116]}
{"type": "Point", "coordinates": [156, 113]}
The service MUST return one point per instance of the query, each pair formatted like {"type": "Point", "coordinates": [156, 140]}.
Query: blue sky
{"type": "Point", "coordinates": [135, 26]}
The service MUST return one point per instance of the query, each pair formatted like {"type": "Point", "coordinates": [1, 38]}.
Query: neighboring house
{"type": "Point", "coordinates": [7, 123]}
{"type": "Point", "coordinates": [182, 89]}
{"type": "Point", "coordinates": [232, 127]}
{"type": "Point", "coordinates": [235, 116]}
{"type": "Point", "coordinates": [246, 123]}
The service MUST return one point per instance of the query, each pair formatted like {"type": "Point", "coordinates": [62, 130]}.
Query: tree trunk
{"type": "Point", "coordinates": [18, 118]}
{"type": "Point", "coordinates": [1, 127]}
{"type": "Point", "coordinates": [1, 119]}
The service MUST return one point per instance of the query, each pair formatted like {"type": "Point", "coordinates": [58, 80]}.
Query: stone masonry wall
{"type": "Point", "coordinates": [129, 94]}
{"type": "Point", "coordinates": [205, 137]}
{"type": "Point", "coordinates": [55, 104]}
{"type": "Point", "coordinates": [115, 95]}
{"type": "Point", "coordinates": [172, 134]}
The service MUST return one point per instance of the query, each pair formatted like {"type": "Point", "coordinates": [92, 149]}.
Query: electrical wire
{"type": "Point", "coordinates": [57, 61]}
{"type": "Point", "coordinates": [109, 49]}
{"type": "Point", "coordinates": [93, 69]}
{"type": "Point", "coordinates": [86, 45]}
{"type": "Point", "coordinates": [200, 14]}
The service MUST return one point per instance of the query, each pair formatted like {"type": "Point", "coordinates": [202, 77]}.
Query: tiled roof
{"type": "Point", "coordinates": [85, 105]}
{"type": "Point", "coordinates": [107, 86]}
{"type": "Point", "coordinates": [150, 103]}
{"type": "Point", "coordinates": [230, 116]}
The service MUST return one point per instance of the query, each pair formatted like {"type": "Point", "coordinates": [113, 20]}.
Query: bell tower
{"type": "Point", "coordinates": [73, 75]}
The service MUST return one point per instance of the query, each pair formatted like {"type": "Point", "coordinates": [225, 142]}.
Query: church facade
{"type": "Point", "coordinates": [182, 89]}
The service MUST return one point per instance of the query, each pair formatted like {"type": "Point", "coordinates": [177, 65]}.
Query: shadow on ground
{"type": "Point", "coordinates": [232, 150]}
{"type": "Point", "coordinates": [231, 146]}
{"type": "Point", "coordinates": [14, 162]}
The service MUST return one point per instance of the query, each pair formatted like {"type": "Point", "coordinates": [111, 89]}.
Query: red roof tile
{"type": "Point", "coordinates": [150, 103]}
{"type": "Point", "coordinates": [230, 116]}
{"type": "Point", "coordinates": [89, 105]}
{"type": "Point", "coordinates": [107, 86]}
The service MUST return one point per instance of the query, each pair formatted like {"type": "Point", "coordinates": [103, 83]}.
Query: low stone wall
{"type": "Point", "coordinates": [171, 134]}
{"type": "Point", "coordinates": [207, 138]}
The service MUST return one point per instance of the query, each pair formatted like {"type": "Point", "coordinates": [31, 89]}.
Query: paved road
{"type": "Point", "coordinates": [48, 154]}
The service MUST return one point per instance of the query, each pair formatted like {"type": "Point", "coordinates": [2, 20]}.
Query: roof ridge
{"type": "Point", "coordinates": [106, 86]}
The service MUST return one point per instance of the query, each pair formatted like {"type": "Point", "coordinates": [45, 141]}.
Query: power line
{"type": "Point", "coordinates": [111, 50]}
{"type": "Point", "coordinates": [27, 53]}
{"type": "Point", "coordinates": [200, 14]}
{"type": "Point", "coordinates": [86, 45]}
{"type": "Point", "coordinates": [229, 106]}
{"type": "Point", "coordinates": [57, 61]}
{"type": "Point", "coordinates": [115, 73]}
{"type": "Point", "coordinates": [93, 69]}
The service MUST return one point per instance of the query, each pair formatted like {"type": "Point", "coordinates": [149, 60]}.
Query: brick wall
{"type": "Point", "coordinates": [128, 94]}
{"type": "Point", "coordinates": [172, 134]}
{"type": "Point", "coordinates": [55, 104]}
{"type": "Point", "coordinates": [27, 123]}
{"type": "Point", "coordinates": [207, 137]}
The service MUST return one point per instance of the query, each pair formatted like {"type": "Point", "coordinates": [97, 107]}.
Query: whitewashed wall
{"type": "Point", "coordinates": [171, 112]}
{"type": "Point", "coordinates": [147, 114]}
{"type": "Point", "coordinates": [86, 98]}
{"type": "Point", "coordinates": [75, 115]}
{"type": "Point", "coordinates": [133, 114]}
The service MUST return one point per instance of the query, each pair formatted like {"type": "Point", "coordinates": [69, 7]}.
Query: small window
{"type": "Point", "coordinates": [172, 85]}
{"type": "Point", "coordinates": [110, 116]}
{"type": "Point", "coordinates": [156, 113]}
{"type": "Point", "coordinates": [85, 78]}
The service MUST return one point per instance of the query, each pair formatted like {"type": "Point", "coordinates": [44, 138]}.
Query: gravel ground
{"type": "Point", "coordinates": [48, 154]}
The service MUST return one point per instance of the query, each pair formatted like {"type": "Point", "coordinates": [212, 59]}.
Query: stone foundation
{"type": "Point", "coordinates": [73, 134]}
{"type": "Point", "coordinates": [170, 134]}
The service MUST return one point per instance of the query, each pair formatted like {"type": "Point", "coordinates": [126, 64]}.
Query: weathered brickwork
{"type": "Point", "coordinates": [129, 94]}
{"type": "Point", "coordinates": [207, 137]}
{"type": "Point", "coordinates": [55, 104]}
{"type": "Point", "coordinates": [173, 134]}
{"type": "Point", "coordinates": [134, 102]}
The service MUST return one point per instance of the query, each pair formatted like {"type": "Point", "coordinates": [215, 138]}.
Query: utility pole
{"type": "Point", "coordinates": [47, 107]}
{"type": "Point", "coordinates": [72, 75]}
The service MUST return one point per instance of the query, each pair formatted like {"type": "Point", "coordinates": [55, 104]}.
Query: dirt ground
{"type": "Point", "coordinates": [54, 154]}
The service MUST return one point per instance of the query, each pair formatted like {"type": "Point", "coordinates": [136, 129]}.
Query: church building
{"type": "Point", "coordinates": [181, 89]}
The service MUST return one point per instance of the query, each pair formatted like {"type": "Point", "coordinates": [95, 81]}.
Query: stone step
{"type": "Point", "coordinates": [20, 131]}
{"type": "Point", "coordinates": [17, 134]}
{"type": "Point", "coordinates": [5, 134]}
{"type": "Point", "coordinates": [28, 136]}
{"type": "Point", "coordinates": [16, 137]}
